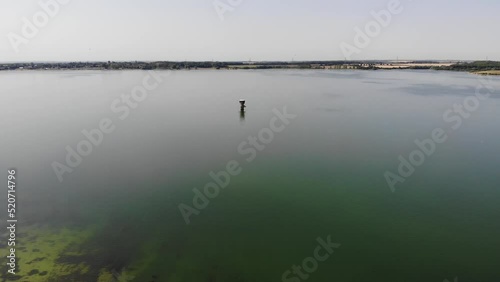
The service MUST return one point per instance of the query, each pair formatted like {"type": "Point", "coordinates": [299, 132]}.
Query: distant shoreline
{"type": "Point", "coordinates": [492, 72]}
{"type": "Point", "coordinates": [478, 67]}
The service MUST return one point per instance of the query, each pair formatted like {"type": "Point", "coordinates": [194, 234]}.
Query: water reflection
{"type": "Point", "coordinates": [242, 110]}
{"type": "Point", "coordinates": [242, 115]}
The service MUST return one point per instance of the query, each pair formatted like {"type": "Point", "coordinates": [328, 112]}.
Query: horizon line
{"type": "Point", "coordinates": [252, 61]}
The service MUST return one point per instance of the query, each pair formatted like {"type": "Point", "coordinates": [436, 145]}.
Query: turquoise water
{"type": "Point", "coordinates": [116, 216]}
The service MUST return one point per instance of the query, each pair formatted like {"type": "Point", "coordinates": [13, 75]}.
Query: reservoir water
{"type": "Point", "coordinates": [112, 168]}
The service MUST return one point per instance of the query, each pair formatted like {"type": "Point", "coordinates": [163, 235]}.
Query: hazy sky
{"type": "Point", "coordinates": [87, 30]}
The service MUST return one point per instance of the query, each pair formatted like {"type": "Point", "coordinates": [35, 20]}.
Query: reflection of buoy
{"type": "Point", "coordinates": [242, 103]}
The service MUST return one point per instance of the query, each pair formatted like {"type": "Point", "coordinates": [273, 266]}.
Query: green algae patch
{"type": "Point", "coordinates": [40, 250]}
{"type": "Point", "coordinates": [105, 276]}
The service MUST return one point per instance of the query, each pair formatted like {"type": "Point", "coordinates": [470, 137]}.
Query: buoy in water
{"type": "Point", "coordinates": [242, 104]}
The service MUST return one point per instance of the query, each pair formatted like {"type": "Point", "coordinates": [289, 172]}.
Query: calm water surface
{"type": "Point", "coordinates": [116, 216]}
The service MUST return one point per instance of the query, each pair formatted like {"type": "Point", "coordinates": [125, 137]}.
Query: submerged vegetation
{"type": "Point", "coordinates": [41, 252]}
